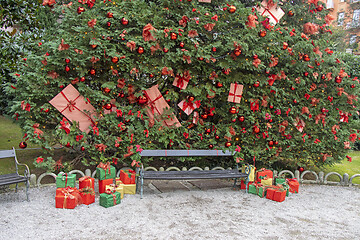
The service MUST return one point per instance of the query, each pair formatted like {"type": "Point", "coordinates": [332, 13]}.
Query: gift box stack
{"type": "Point", "coordinates": [67, 195]}
{"type": "Point", "coordinates": [87, 189]}
{"type": "Point", "coordinates": [274, 189]}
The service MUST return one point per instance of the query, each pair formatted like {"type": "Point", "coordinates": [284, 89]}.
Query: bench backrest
{"type": "Point", "coordinates": [10, 154]}
{"type": "Point", "coordinates": [184, 153]}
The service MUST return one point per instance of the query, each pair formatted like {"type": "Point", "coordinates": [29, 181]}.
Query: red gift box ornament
{"type": "Point", "coordinates": [271, 11]}
{"type": "Point", "coordinates": [181, 81]}
{"type": "Point", "coordinates": [74, 107]}
{"type": "Point", "coordinates": [188, 106]}
{"type": "Point", "coordinates": [293, 185]}
{"type": "Point", "coordinates": [156, 106]}
{"type": "Point", "coordinates": [127, 176]}
{"type": "Point", "coordinates": [235, 93]}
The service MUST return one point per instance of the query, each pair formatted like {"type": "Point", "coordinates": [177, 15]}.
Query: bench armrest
{"type": "Point", "coordinates": [26, 170]}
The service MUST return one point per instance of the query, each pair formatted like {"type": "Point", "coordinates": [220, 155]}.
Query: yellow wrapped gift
{"type": "Point", "coordinates": [252, 172]}
{"type": "Point", "coordinates": [118, 188]}
{"type": "Point", "coordinates": [267, 182]}
{"type": "Point", "coordinates": [118, 181]}
{"type": "Point", "coordinates": [129, 188]}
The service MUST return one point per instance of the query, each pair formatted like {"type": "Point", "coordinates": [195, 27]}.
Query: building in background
{"type": "Point", "coordinates": [347, 17]}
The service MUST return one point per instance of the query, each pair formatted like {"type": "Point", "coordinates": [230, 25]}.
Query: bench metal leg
{"type": "Point", "coordinates": [16, 188]}
{"type": "Point", "coordinates": [142, 187]}
{"type": "Point", "coordinates": [235, 181]}
{"type": "Point", "coordinates": [27, 190]}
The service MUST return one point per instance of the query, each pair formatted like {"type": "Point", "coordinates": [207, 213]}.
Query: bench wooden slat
{"type": "Point", "coordinates": [7, 153]}
{"type": "Point", "coordinates": [14, 178]}
{"type": "Point", "coordinates": [184, 175]}
{"type": "Point", "coordinates": [184, 153]}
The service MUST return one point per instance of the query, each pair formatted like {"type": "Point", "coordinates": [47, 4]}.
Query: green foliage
{"type": "Point", "coordinates": [292, 91]}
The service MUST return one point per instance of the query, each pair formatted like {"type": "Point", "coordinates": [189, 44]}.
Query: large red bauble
{"type": "Point", "coordinates": [115, 59]}
{"type": "Point", "coordinates": [271, 143]}
{"type": "Point", "coordinates": [232, 9]}
{"type": "Point", "coordinates": [173, 36]}
{"type": "Point", "coordinates": [211, 146]}
{"type": "Point", "coordinates": [233, 120]}
{"type": "Point", "coordinates": [108, 106]}
{"type": "Point", "coordinates": [191, 98]}
{"type": "Point", "coordinates": [22, 145]}
{"type": "Point", "coordinates": [93, 46]}
{"type": "Point", "coordinates": [108, 24]}
{"type": "Point", "coordinates": [256, 84]}
{"type": "Point", "coordinates": [80, 10]}
{"type": "Point", "coordinates": [306, 57]}
{"type": "Point", "coordinates": [213, 49]}
{"type": "Point", "coordinates": [68, 145]}
{"type": "Point", "coordinates": [67, 68]}
{"type": "Point", "coordinates": [338, 79]}
{"type": "Point", "coordinates": [208, 130]}
{"type": "Point", "coordinates": [306, 74]}
{"type": "Point", "coordinates": [140, 50]}
{"type": "Point", "coordinates": [165, 50]}
{"type": "Point", "coordinates": [262, 33]}
{"type": "Point", "coordinates": [352, 85]}
{"type": "Point", "coordinates": [290, 13]}
{"type": "Point", "coordinates": [109, 15]}
{"type": "Point", "coordinates": [241, 118]}
{"type": "Point", "coordinates": [182, 44]}
{"type": "Point", "coordinates": [200, 58]}
{"type": "Point", "coordinates": [82, 148]}
{"type": "Point", "coordinates": [232, 110]}
{"type": "Point", "coordinates": [67, 60]}
{"type": "Point", "coordinates": [301, 169]}
{"type": "Point", "coordinates": [219, 85]}
{"type": "Point", "coordinates": [204, 116]}
{"type": "Point", "coordinates": [142, 99]}
{"type": "Point", "coordinates": [82, 79]}
{"type": "Point", "coordinates": [107, 90]}
{"type": "Point", "coordinates": [92, 71]}
{"type": "Point", "coordinates": [256, 129]}
{"type": "Point", "coordinates": [319, 8]}
{"type": "Point", "coordinates": [151, 75]}
{"type": "Point", "coordinates": [237, 52]}
{"type": "Point", "coordinates": [217, 137]}
{"type": "Point", "coordinates": [124, 21]}
{"type": "Point", "coordinates": [228, 144]}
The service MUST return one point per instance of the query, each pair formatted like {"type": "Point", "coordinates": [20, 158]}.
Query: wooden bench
{"type": "Point", "coordinates": [188, 175]}
{"type": "Point", "coordinates": [15, 178]}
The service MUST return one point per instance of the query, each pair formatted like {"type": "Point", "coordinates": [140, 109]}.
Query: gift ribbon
{"type": "Point", "coordinates": [108, 191]}
{"type": "Point", "coordinates": [181, 82]}
{"type": "Point", "coordinates": [234, 94]}
{"type": "Point", "coordinates": [71, 106]}
{"type": "Point", "coordinates": [66, 178]}
{"type": "Point", "coordinates": [152, 105]}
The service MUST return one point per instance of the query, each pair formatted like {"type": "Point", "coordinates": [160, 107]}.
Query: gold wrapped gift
{"type": "Point", "coordinates": [118, 188]}
{"type": "Point", "coordinates": [129, 188]}
{"type": "Point", "coordinates": [267, 182]}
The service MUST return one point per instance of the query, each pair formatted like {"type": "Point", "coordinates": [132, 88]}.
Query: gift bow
{"type": "Point", "coordinates": [105, 167]}
{"type": "Point", "coordinates": [87, 190]}
{"type": "Point", "coordinates": [86, 178]}
{"type": "Point", "coordinates": [111, 192]}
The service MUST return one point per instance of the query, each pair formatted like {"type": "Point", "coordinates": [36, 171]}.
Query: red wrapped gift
{"type": "Point", "coordinates": [272, 12]}
{"type": "Point", "coordinates": [87, 195]}
{"type": "Point", "coordinates": [127, 176]}
{"type": "Point", "coordinates": [103, 183]}
{"type": "Point", "coordinates": [243, 186]}
{"type": "Point", "coordinates": [279, 195]}
{"type": "Point", "coordinates": [156, 105]}
{"type": "Point", "coordinates": [74, 107]}
{"type": "Point", "coordinates": [188, 106]}
{"type": "Point", "coordinates": [181, 82]}
{"type": "Point", "coordinates": [293, 185]}
{"type": "Point", "coordinates": [263, 174]}
{"type": "Point", "coordinates": [67, 198]}
{"type": "Point", "coordinates": [87, 181]}
{"type": "Point", "coordinates": [235, 92]}
{"type": "Point", "coordinates": [270, 192]}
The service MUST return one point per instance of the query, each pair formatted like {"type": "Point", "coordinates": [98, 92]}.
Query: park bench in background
{"type": "Point", "coordinates": [188, 175]}
{"type": "Point", "coordinates": [15, 178]}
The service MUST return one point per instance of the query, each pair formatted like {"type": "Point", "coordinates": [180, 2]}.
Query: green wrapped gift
{"type": "Point", "coordinates": [286, 187]}
{"type": "Point", "coordinates": [64, 180]}
{"type": "Point", "coordinates": [105, 171]}
{"type": "Point", "coordinates": [279, 181]}
{"type": "Point", "coordinates": [109, 199]}
{"type": "Point", "coordinates": [252, 188]}
{"type": "Point", "coordinates": [261, 190]}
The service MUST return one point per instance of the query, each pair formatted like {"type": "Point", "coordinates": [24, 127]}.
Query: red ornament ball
{"type": "Point", "coordinates": [108, 106]}
{"type": "Point", "coordinates": [228, 144]}
{"type": "Point", "coordinates": [338, 79]}
{"type": "Point", "coordinates": [82, 79]}
{"type": "Point", "coordinates": [22, 145]}
{"type": "Point", "coordinates": [182, 44]}
{"type": "Point", "coordinates": [301, 169]}
{"type": "Point", "coordinates": [352, 86]}
{"type": "Point", "coordinates": [232, 110]}
{"type": "Point", "coordinates": [115, 59]}
{"type": "Point", "coordinates": [124, 21]}
{"type": "Point", "coordinates": [256, 129]}
{"type": "Point", "coordinates": [262, 33]}
{"type": "Point", "coordinates": [204, 116]}
{"type": "Point", "coordinates": [213, 49]}
{"type": "Point", "coordinates": [191, 98]}
{"type": "Point", "coordinates": [237, 52]}
{"type": "Point", "coordinates": [108, 24]}
{"type": "Point", "coordinates": [232, 9]}
{"type": "Point", "coordinates": [173, 36]}
{"type": "Point", "coordinates": [109, 15]}
{"type": "Point", "coordinates": [140, 50]}
{"type": "Point", "coordinates": [306, 58]}
{"type": "Point", "coordinates": [67, 60]}
{"type": "Point", "coordinates": [106, 90]}
{"type": "Point", "coordinates": [142, 100]}
{"type": "Point", "coordinates": [165, 50]}
{"type": "Point", "coordinates": [68, 145]}
{"type": "Point", "coordinates": [256, 84]}
{"type": "Point", "coordinates": [211, 146]}
{"type": "Point", "coordinates": [92, 71]}
{"type": "Point", "coordinates": [82, 148]}
{"type": "Point", "coordinates": [219, 85]}
{"type": "Point", "coordinates": [290, 13]}
{"type": "Point", "coordinates": [67, 68]}
{"type": "Point", "coordinates": [241, 118]}
{"type": "Point", "coordinates": [80, 10]}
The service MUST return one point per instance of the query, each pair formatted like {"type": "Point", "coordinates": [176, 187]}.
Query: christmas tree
{"type": "Point", "coordinates": [256, 78]}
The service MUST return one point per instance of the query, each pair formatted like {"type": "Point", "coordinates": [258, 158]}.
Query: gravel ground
{"type": "Point", "coordinates": [317, 212]}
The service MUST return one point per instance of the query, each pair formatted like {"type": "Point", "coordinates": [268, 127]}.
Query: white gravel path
{"type": "Point", "coordinates": [317, 212]}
